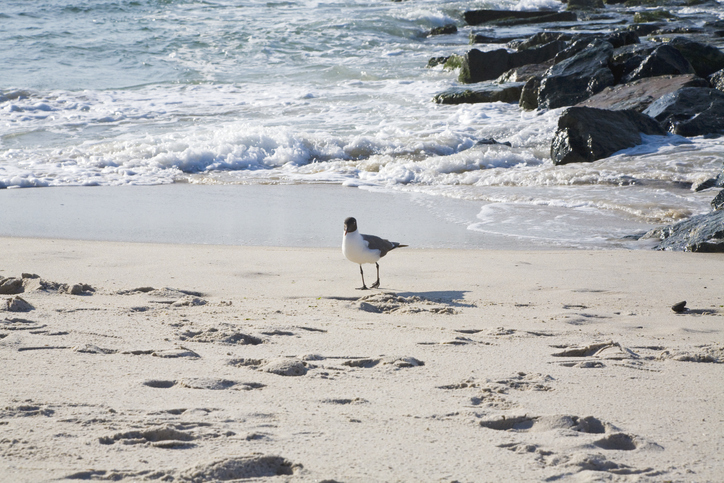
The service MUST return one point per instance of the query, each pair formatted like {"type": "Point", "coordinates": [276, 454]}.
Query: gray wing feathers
{"type": "Point", "coordinates": [377, 243]}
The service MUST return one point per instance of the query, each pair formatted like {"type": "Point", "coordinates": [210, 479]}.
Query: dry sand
{"type": "Point", "coordinates": [210, 363]}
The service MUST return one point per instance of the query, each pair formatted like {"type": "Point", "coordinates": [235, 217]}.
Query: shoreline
{"type": "Point", "coordinates": [183, 361]}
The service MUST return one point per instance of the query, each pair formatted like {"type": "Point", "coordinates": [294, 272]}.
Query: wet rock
{"type": "Point", "coordinates": [665, 60]}
{"type": "Point", "coordinates": [524, 74]}
{"type": "Point", "coordinates": [690, 111]}
{"type": "Point", "coordinates": [529, 94]}
{"type": "Point", "coordinates": [476, 38]}
{"type": "Point", "coordinates": [705, 59]}
{"type": "Point", "coordinates": [679, 307]}
{"type": "Point", "coordinates": [585, 4]}
{"type": "Point", "coordinates": [542, 38]}
{"type": "Point", "coordinates": [575, 47]}
{"type": "Point", "coordinates": [701, 233]}
{"type": "Point", "coordinates": [577, 78]}
{"type": "Point", "coordinates": [11, 286]}
{"type": "Point", "coordinates": [586, 134]}
{"type": "Point", "coordinates": [653, 16]}
{"type": "Point", "coordinates": [509, 93]}
{"type": "Point", "coordinates": [644, 29]}
{"type": "Point", "coordinates": [480, 66]}
{"type": "Point", "coordinates": [640, 94]}
{"type": "Point", "coordinates": [718, 202]}
{"type": "Point", "coordinates": [717, 80]}
{"type": "Point", "coordinates": [622, 38]}
{"type": "Point", "coordinates": [444, 30]}
{"type": "Point", "coordinates": [486, 141]}
{"type": "Point", "coordinates": [550, 18]}
{"type": "Point", "coordinates": [477, 17]}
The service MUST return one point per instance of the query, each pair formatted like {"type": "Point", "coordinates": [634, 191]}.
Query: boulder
{"type": "Point", "coordinates": [639, 95]}
{"type": "Point", "coordinates": [717, 80]}
{"type": "Point", "coordinates": [644, 29]}
{"type": "Point", "coordinates": [701, 233]}
{"type": "Point", "coordinates": [476, 38]}
{"type": "Point", "coordinates": [507, 93]}
{"type": "Point", "coordinates": [529, 94]}
{"type": "Point", "coordinates": [477, 17]}
{"type": "Point", "coordinates": [665, 60]}
{"type": "Point", "coordinates": [586, 134]}
{"type": "Point", "coordinates": [480, 66]}
{"type": "Point", "coordinates": [690, 111]}
{"type": "Point", "coordinates": [622, 38]}
{"type": "Point", "coordinates": [718, 202]}
{"type": "Point", "coordinates": [542, 38]}
{"type": "Point", "coordinates": [550, 18]}
{"type": "Point", "coordinates": [653, 16]}
{"type": "Point", "coordinates": [705, 59]}
{"type": "Point", "coordinates": [577, 78]}
{"type": "Point", "coordinates": [575, 47]}
{"type": "Point", "coordinates": [523, 74]}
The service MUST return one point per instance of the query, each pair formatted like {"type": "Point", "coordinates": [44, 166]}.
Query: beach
{"type": "Point", "coordinates": [174, 362]}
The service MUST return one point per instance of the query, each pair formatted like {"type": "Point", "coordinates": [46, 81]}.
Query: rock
{"type": "Point", "coordinates": [575, 47]}
{"type": "Point", "coordinates": [509, 93]}
{"type": "Point", "coordinates": [529, 94]}
{"type": "Point", "coordinates": [622, 38]}
{"type": "Point", "coordinates": [717, 80]}
{"type": "Point", "coordinates": [578, 78]}
{"type": "Point", "coordinates": [477, 17]}
{"type": "Point", "coordinates": [701, 233]}
{"type": "Point", "coordinates": [705, 59]}
{"type": "Point", "coordinates": [16, 304]}
{"type": "Point", "coordinates": [690, 111]}
{"type": "Point", "coordinates": [486, 141]}
{"type": "Point", "coordinates": [542, 38]}
{"type": "Point", "coordinates": [652, 16]}
{"type": "Point", "coordinates": [679, 307]}
{"type": "Point", "coordinates": [586, 134]}
{"type": "Point", "coordinates": [476, 38]}
{"type": "Point", "coordinates": [718, 202]}
{"type": "Point", "coordinates": [444, 30]}
{"type": "Point", "coordinates": [524, 74]}
{"type": "Point", "coordinates": [12, 285]}
{"type": "Point", "coordinates": [550, 18]}
{"type": "Point", "coordinates": [665, 60]}
{"type": "Point", "coordinates": [480, 66]}
{"type": "Point", "coordinates": [585, 4]}
{"type": "Point", "coordinates": [639, 95]}
{"type": "Point", "coordinates": [644, 29]}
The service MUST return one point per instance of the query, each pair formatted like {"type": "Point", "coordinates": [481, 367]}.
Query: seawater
{"type": "Point", "coordinates": [150, 92]}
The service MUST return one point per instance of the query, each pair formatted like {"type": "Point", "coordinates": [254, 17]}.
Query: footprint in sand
{"type": "Point", "coordinates": [491, 394]}
{"type": "Point", "coordinates": [390, 303]}
{"type": "Point", "coordinates": [161, 437]}
{"type": "Point", "coordinates": [225, 335]}
{"type": "Point", "coordinates": [294, 366]}
{"type": "Point", "coordinates": [209, 383]}
{"type": "Point", "coordinates": [602, 351]}
{"type": "Point", "coordinates": [706, 353]}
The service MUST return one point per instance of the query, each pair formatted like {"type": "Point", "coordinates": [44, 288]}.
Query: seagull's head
{"type": "Point", "coordinates": [350, 225]}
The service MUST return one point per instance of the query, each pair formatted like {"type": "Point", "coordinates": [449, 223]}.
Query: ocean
{"type": "Point", "coordinates": [220, 93]}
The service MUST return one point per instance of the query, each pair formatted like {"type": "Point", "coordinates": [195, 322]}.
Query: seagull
{"type": "Point", "coordinates": [361, 249]}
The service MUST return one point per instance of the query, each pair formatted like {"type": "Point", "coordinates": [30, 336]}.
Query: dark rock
{"type": "Point", "coordinates": [623, 38]}
{"type": "Point", "coordinates": [477, 17]}
{"type": "Point", "coordinates": [480, 66]}
{"type": "Point", "coordinates": [493, 141]}
{"type": "Point", "coordinates": [665, 60]}
{"type": "Point", "coordinates": [529, 94]}
{"type": "Point", "coordinates": [701, 233]}
{"type": "Point", "coordinates": [586, 134]}
{"type": "Point", "coordinates": [679, 307]}
{"type": "Point", "coordinates": [717, 80]}
{"type": "Point", "coordinates": [690, 111]}
{"type": "Point", "coordinates": [575, 47]}
{"type": "Point", "coordinates": [639, 95]}
{"type": "Point", "coordinates": [11, 286]}
{"type": "Point", "coordinates": [718, 202]}
{"type": "Point", "coordinates": [644, 29]}
{"type": "Point", "coordinates": [717, 182]}
{"type": "Point", "coordinates": [550, 18]}
{"type": "Point", "coordinates": [705, 59]}
{"type": "Point", "coordinates": [444, 30]}
{"type": "Point", "coordinates": [585, 4]}
{"type": "Point", "coordinates": [652, 16]}
{"type": "Point", "coordinates": [435, 61]}
{"type": "Point", "coordinates": [509, 93]}
{"type": "Point", "coordinates": [542, 38]}
{"type": "Point", "coordinates": [577, 78]}
{"type": "Point", "coordinates": [525, 73]}
{"type": "Point", "coordinates": [486, 39]}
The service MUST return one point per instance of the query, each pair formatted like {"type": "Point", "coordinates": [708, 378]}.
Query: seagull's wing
{"type": "Point", "coordinates": [377, 243]}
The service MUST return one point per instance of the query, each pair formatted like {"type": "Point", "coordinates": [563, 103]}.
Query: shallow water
{"type": "Point", "coordinates": [227, 92]}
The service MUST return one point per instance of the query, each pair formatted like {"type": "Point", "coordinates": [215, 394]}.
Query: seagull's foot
{"type": "Point", "coordinates": [364, 287]}
{"type": "Point", "coordinates": [376, 284]}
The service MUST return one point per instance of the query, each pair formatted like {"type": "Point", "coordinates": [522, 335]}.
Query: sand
{"type": "Point", "coordinates": [137, 362]}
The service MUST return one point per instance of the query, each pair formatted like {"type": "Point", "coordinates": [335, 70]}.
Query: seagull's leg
{"type": "Point", "coordinates": [377, 283]}
{"type": "Point", "coordinates": [363, 287]}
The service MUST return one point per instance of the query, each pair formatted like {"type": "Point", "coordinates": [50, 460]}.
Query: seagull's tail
{"type": "Point", "coordinates": [398, 245]}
